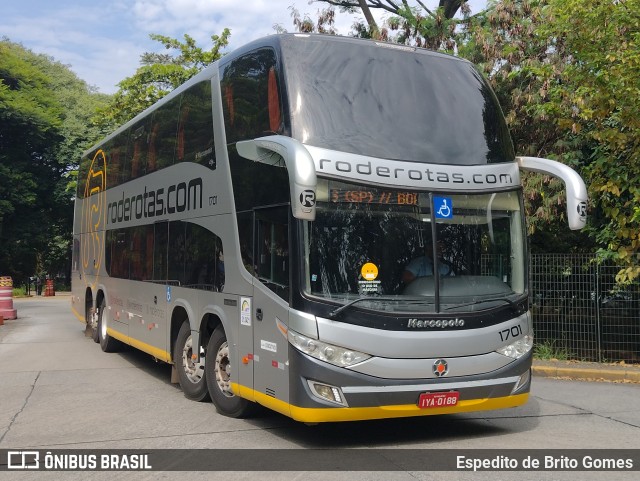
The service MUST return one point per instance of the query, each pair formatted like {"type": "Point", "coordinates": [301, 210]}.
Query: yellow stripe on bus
{"type": "Point", "coordinates": [160, 354]}
{"type": "Point", "coordinates": [78, 315]}
{"type": "Point", "coordinates": [319, 415]}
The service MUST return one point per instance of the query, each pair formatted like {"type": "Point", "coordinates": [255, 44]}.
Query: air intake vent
{"type": "Point", "coordinates": [270, 392]}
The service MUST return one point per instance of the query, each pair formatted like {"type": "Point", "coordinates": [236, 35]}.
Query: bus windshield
{"type": "Point", "coordinates": [372, 99]}
{"type": "Point", "coordinates": [384, 245]}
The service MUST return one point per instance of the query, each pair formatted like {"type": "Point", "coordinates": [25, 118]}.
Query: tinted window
{"type": "Point", "coordinates": [160, 241]}
{"type": "Point", "coordinates": [252, 108]}
{"type": "Point", "coordinates": [195, 126]}
{"type": "Point", "coordinates": [180, 253]}
{"type": "Point", "coordinates": [384, 102]}
{"type": "Point", "coordinates": [118, 253]}
{"type": "Point", "coordinates": [137, 152]}
{"type": "Point", "coordinates": [177, 247]}
{"type": "Point", "coordinates": [162, 136]}
{"type": "Point", "coordinates": [272, 249]}
{"type": "Point", "coordinates": [251, 96]}
{"type": "Point", "coordinates": [141, 253]}
{"type": "Point", "coordinates": [116, 154]}
{"type": "Point", "coordinates": [204, 259]}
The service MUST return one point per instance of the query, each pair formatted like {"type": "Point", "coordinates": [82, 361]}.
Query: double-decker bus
{"type": "Point", "coordinates": [329, 227]}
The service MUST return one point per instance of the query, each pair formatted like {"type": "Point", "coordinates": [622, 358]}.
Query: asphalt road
{"type": "Point", "coordinates": [58, 390]}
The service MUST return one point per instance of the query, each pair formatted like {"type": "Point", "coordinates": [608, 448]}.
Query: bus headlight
{"type": "Point", "coordinates": [517, 349]}
{"type": "Point", "coordinates": [336, 355]}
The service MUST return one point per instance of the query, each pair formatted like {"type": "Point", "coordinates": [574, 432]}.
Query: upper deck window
{"type": "Point", "coordinates": [418, 106]}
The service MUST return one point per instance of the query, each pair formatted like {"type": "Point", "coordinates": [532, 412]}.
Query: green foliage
{"type": "Point", "coordinates": [44, 112]}
{"type": "Point", "coordinates": [597, 96]}
{"type": "Point", "coordinates": [159, 75]}
{"type": "Point", "coordinates": [523, 67]}
{"type": "Point", "coordinates": [549, 351]}
{"type": "Point", "coordinates": [567, 74]}
{"type": "Point", "coordinates": [411, 23]}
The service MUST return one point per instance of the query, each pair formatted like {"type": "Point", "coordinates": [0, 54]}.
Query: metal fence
{"type": "Point", "coordinates": [580, 313]}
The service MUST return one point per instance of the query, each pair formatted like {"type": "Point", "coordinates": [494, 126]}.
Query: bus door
{"type": "Point", "coordinates": [271, 301]}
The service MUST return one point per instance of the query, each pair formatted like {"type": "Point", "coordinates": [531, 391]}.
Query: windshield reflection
{"type": "Point", "coordinates": [377, 246]}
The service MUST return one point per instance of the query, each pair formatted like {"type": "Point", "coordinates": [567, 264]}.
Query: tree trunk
{"type": "Point", "coordinates": [450, 7]}
{"type": "Point", "coordinates": [375, 32]}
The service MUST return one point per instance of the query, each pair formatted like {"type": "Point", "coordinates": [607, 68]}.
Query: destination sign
{"type": "Point", "coordinates": [374, 196]}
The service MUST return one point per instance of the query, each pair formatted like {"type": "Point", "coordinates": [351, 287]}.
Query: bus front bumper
{"type": "Point", "coordinates": [366, 397]}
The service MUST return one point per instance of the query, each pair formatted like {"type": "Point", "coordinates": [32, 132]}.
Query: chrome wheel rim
{"type": "Point", "coordinates": [193, 370]}
{"type": "Point", "coordinates": [222, 370]}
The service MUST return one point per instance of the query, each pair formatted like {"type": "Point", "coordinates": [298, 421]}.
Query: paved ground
{"type": "Point", "coordinates": [58, 390]}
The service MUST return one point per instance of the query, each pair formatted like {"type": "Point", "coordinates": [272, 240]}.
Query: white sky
{"type": "Point", "coordinates": [102, 40]}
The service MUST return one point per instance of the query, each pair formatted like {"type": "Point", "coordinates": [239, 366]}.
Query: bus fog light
{"type": "Point", "coordinates": [327, 393]}
{"type": "Point", "coordinates": [523, 381]}
{"type": "Point", "coordinates": [517, 349]}
{"type": "Point", "coordinates": [336, 355]}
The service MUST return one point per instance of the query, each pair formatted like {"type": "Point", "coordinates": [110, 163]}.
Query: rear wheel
{"type": "Point", "coordinates": [190, 373]}
{"type": "Point", "coordinates": [218, 375]}
{"type": "Point", "coordinates": [107, 343]}
{"type": "Point", "coordinates": [91, 317]}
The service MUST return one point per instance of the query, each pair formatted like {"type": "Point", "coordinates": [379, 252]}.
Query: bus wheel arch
{"type": "Point", "coordinates": [208, 324]}
{"type": "Point", "coordinates": [179, 316]}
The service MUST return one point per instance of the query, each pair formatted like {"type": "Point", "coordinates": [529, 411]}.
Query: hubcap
{"type": "Point", "coordinates": [223, 370]}
{"type": "Point", "coordinates": [193, 370]}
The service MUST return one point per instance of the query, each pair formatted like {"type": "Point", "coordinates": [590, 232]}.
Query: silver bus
{"type": "Point", "coordinates": [328, 227]}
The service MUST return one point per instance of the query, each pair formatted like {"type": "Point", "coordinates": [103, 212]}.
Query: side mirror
{"type": "Point", "coordinates": [273, 150]}
{"type": "Point", "coordinates": [576, 189]}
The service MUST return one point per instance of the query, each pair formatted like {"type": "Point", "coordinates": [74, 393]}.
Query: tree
{"type": "Point", "coordinates": [596, 95]}
{"type": "Point", "coordinates": [325, 23]}
{"type": "Point", "coordinates": [159, 75]}
{"type": "Point", "coordinates": [568, 77]}
{"type": "Point", "coordinates": [411, 22]}
{"type": "Point", "coordinates": [504, 43]}
{"type": "Point", "coordinates": [44, 125]}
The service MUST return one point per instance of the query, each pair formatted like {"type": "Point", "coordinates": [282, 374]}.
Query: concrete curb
{"type": "Point", "coordinates": [587, 371]}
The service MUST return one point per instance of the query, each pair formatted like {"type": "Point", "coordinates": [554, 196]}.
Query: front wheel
{"type": "Point", "coordinates": [218, 375]}
{"type": "Point", "coordinates": [190, 373]}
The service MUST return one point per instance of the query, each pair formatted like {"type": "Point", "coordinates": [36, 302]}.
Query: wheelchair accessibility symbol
{"type": "Point", "coordinates": [443, 207]}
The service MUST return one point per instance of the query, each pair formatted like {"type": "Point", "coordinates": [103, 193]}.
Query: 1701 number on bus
{"type": "Point", "coordinates": [438, 399]}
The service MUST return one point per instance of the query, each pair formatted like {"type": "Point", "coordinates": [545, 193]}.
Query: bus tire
{"type": "Point", "coordinates": [107, 343]}
{"type": "Point", "coordinates": [91, 330]}
{"type": "Point", "coordinates": [218, 371]}
{"type": "Point", "coordinates": [190, 375]}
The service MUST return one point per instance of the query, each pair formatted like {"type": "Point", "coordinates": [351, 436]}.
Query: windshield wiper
{"type": "Point", "coordinates": [337, 311]}
{"type": "Point", "coordinates": [514, 304]}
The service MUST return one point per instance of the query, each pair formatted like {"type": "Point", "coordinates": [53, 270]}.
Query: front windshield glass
{"type": "Point", "coordinates": [384, 245]}
{"type": "Point", "coordinates": [375, 99]}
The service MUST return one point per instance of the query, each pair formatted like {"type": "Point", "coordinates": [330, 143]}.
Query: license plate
{"type": "Point", "coordinates": [438, 399]}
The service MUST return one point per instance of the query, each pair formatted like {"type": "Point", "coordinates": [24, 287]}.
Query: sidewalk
{"type": "Point", "coordinates": [587, 371]}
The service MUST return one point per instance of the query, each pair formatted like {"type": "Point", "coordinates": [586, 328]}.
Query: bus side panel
{"type": "Point", "coordinates": [270, 344]}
